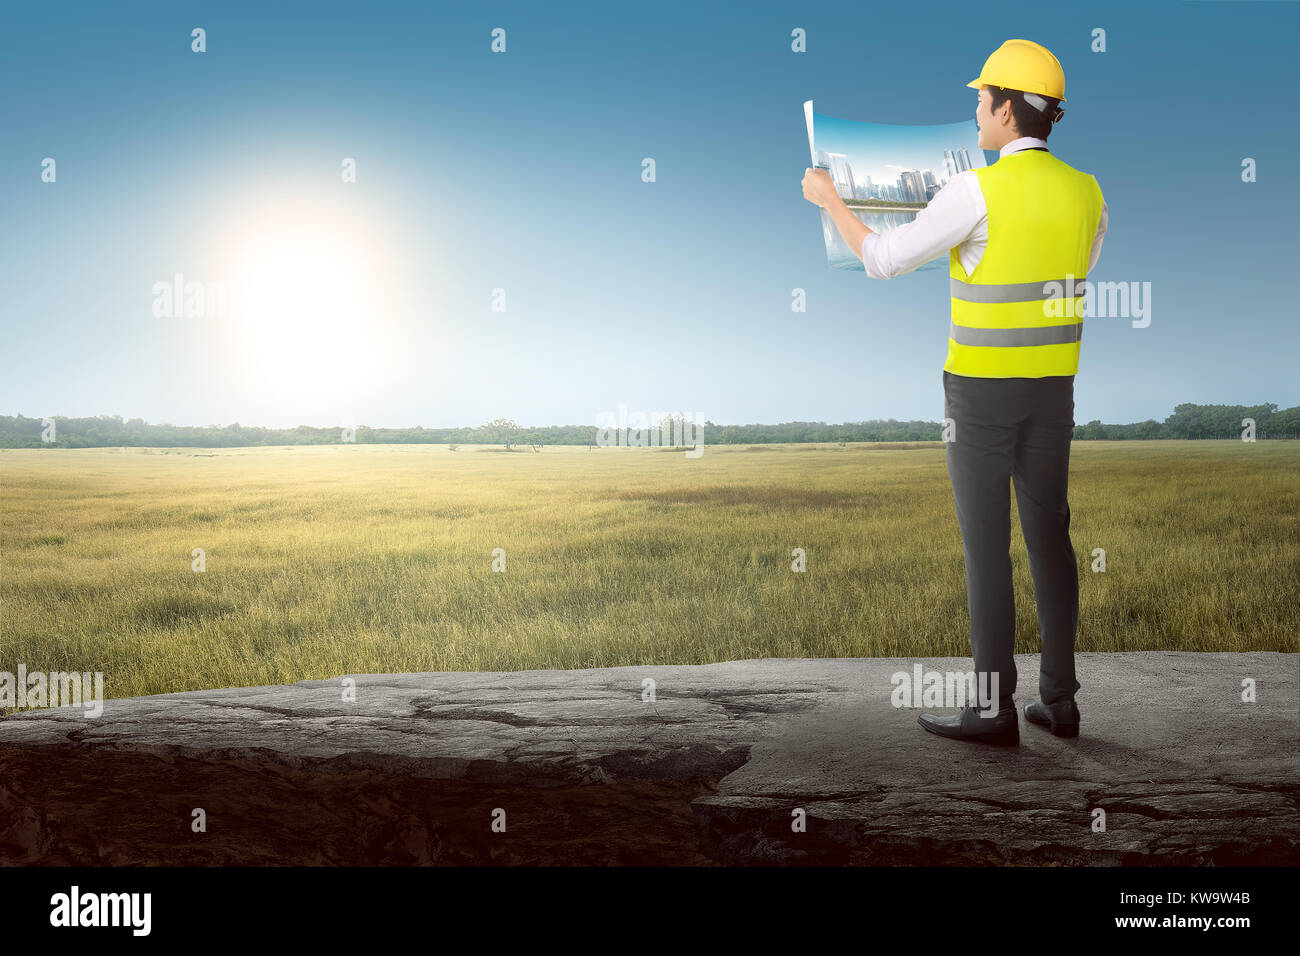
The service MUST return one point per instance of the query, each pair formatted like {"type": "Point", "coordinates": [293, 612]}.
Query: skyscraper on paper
{"type": "Point", "coordinates": [842, 175]}
{"type": "Point", "coordinates": [956, 161]}
{"type": "Point", "coordinates": [912, 183]}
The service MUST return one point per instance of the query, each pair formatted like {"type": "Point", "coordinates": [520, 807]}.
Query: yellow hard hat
{"type": "Point", "coordinates": [1023, 65]}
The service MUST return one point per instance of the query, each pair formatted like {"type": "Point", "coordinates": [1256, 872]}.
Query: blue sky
{"type": "Point", "coordinates": [522, 171]}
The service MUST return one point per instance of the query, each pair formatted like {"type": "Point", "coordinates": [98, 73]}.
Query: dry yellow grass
{"type": "Point", "coordinates": [323, 561]}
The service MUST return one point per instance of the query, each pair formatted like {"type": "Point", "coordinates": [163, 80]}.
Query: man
{"type": "Point", "coordinates": [1022, 236]}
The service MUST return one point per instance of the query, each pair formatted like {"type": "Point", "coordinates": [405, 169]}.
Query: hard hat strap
{"type": "Point", "coordinates": [1040, 104]}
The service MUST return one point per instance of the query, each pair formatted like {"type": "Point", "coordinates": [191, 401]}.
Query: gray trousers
{"type": "Point", "coordinates": [1016, 430]}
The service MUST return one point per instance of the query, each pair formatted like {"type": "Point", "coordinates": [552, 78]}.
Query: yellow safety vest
{"type": "Point", "coordinates": [1020, 313]}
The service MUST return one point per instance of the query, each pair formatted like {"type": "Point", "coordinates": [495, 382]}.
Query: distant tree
{"type": "Point", "coordinates": [1092, 430]}
{"type": "Point", "coordinates": [503, 430]}
{"type": "Point", "coordinates": [675, 428]}
{"type": "Point", "coordinates": [1283, 424]}
{"type": "Point", "coordinates": [1147, 429]}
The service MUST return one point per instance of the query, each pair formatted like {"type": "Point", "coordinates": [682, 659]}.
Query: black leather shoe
{"type": "Point", "coordinates": [967, 724]}
{"type": "Point", "coordinates": [1062, 718]}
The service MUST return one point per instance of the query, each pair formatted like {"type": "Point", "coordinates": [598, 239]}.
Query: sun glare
{"type": "Point", "coordinates": [308, 301]}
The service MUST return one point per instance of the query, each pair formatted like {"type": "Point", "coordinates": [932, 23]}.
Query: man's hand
{"type": "Point", "coordinates": [818, 187]}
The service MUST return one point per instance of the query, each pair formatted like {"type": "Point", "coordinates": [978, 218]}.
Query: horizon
{"type": "Point", "coordinates": [654, 417]}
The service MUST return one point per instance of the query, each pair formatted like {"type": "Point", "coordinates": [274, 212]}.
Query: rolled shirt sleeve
{"type": "Point", "coordinates": [949, 220]}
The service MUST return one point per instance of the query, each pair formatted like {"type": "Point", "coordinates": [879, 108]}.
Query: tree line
{"type": "Point", "coordinates": [1187, 421]}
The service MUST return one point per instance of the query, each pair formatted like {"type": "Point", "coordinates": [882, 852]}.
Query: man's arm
{"type": "Point", "coordinates": [853, 229]}
{"type": "Point", "coordinates": [948, 221]}
{"type": "Point", "coordinates": [1096, 242]}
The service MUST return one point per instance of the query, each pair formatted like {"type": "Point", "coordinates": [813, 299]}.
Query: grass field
{"type": "Point", "coordinates": [324, 561]}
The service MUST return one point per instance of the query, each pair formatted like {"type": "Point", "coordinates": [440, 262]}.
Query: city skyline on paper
{"type": "Point", "coordinates": [873, 160]}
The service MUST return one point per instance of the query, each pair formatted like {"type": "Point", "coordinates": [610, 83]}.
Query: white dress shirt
{"type": "Point", "coordinates": [957, 216]}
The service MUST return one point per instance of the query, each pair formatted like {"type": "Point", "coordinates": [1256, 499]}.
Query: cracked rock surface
{"type": "Point", "coordinates": [582, 770]}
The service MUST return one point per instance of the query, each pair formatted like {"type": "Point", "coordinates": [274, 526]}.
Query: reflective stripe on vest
{"type": "Point", "coordinates": [1003, 338]}
{"type": "Point", "coordinates": [1020, 313]}
{"type": "Point", "coordinates": [1017, 291]}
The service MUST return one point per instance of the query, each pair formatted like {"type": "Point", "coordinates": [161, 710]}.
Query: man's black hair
{"type": "Point", "coordinates": [1029, 121]}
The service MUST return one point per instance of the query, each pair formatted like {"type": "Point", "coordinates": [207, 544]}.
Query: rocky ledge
{"type": "Point", "coordinates": [747, 762]}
